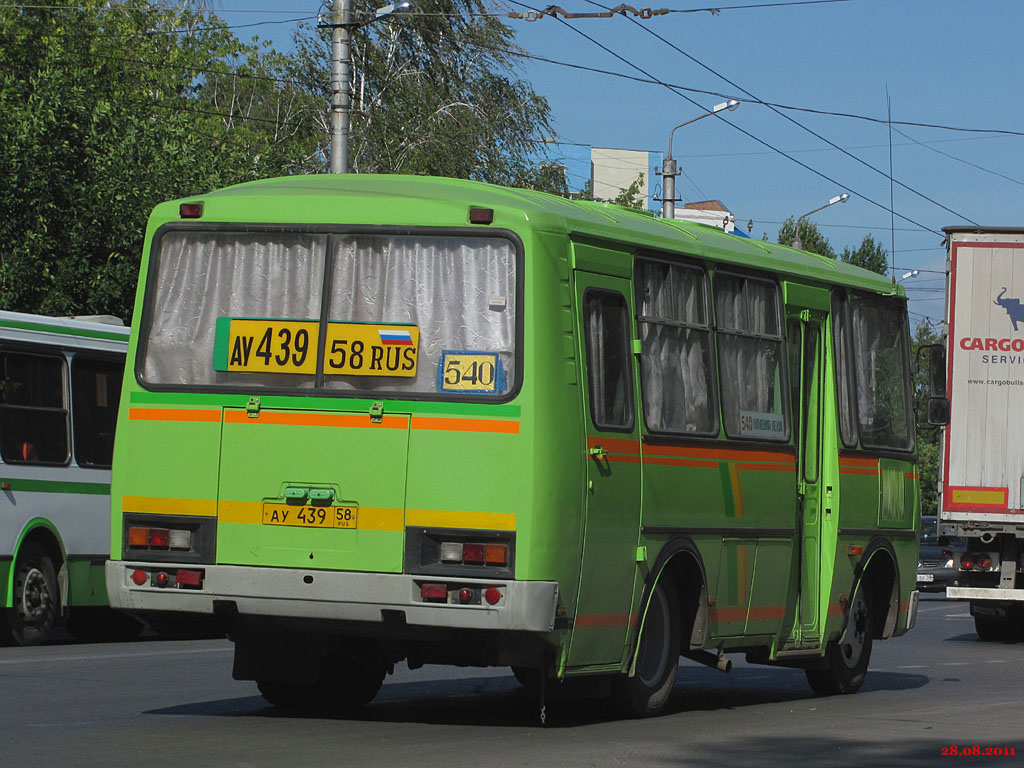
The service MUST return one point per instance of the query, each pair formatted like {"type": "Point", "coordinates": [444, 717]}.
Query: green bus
{"type": "Point", "coordinates": [383, 418]}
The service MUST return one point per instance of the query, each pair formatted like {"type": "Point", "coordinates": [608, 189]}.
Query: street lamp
{"type": "Point", "coordinates": [796, 230]}
{"type": "Point", "coordinates": [668, 165]}
{"type": "Point", "coordinates": [341, 28]}
{"type": "Point", "coordinates": [911, 273]}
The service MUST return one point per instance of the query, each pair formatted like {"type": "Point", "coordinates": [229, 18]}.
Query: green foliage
{"type": "Point", "coordinates": [811, 239]}
{"type": "Point", "coordinates": [107, 109]}
{"type": "Point", "coordinates": [546, 177]}
{"type": "Point", "coordinates": [869, 254]}
{"type": "Point", "coordinates": [927, 436]}
{"type": "Point", "coordinates": [632, 196]}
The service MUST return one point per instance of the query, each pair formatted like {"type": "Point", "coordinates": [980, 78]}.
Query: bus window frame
{"type": "Point", "coordinates": [627, 358]}
{"type": "Point", "coordinates": [53, 352]}
{"type": "Point", "coordinates": [95, 356]}
{"type": "Point", "coordinates": [784, 384]}
{"type": "Point", "coordinates": [714, 404]}
{"type": "Point", "coordinates": [329, 230]}
{"type": "Point", "coordinates": [841, 306]}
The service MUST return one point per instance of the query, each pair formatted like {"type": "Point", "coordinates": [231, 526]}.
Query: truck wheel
{"type": "Point", "coordinates": [847, 662]}
{"type": "Point", "coordinates": [36, 598]}
{"type": "Point", "coordinates": [992, 630]}
{"type": "Point", "coordinates": [646, 693]}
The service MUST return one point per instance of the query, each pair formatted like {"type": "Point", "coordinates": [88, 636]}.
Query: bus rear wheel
{"type": "Point", "coordinates": [646, 693]}
{"type": "Point", "coordinates": [36, 597]}
{"type": "Point", "coordinates": [847, 661]}
{"type": "Point", "coordinates": [348, 681]}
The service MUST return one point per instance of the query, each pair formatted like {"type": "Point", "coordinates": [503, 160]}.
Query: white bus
{"type": "Point", "coordinates": [60, 383]}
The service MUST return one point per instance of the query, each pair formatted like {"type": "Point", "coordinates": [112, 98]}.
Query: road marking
{"type": "Point", "coordinates": [956, 663]}
{"type": "Point", "coordinates": [101, 656]}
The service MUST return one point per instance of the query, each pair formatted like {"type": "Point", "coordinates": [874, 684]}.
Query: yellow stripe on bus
{"type": "Point", "coordinates": [436, 518]}
{"type": "Point", "coordinates": [165, 506]}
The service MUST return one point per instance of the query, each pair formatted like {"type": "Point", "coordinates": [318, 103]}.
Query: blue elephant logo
{"type": "Point", "coordinates": [1012, 307]}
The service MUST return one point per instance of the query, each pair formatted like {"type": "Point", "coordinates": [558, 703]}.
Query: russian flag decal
{"type": "Point", "coordinates": [395, 338]}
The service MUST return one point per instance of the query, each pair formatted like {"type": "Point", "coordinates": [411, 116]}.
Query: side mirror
{"type": "Point", "coordinates": [937, 369]}
{"type": "Point", "coordinates": [938, 411]}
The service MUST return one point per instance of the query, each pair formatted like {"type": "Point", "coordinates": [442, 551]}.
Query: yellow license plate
{"type": "Point", "coordinates": [365, 349]}
{"type": "Point", "coordinates": [272, 346]}
{"type": "Point", "coordinates": [306, 516]}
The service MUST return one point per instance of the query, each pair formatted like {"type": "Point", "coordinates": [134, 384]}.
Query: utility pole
{"type": "Point", "coordinates": [341, 83]}
{"type": "Point", "coordinates": [669, 169]}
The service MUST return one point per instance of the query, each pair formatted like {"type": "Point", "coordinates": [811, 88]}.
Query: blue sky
{"type": "Point", "coordinates": [955, 63]}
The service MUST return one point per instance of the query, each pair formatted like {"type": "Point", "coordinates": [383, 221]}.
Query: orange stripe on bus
{"type": "Point", "coordinates": [312, 419]}
{"type": "Point", "coordinates": [765, 612]}
{"type": "Point", "coordinates": [602, 620]}
{"type": "Point", "coordinates": [850, 461]}
{"type": "Point", "coordinates": [465, 425]}
{"type": "Point", "coordinates": [721, 615]}
{"type": "Point", "coordinates": [698, 463]}
{"type": "Point", "coordinates": [851, 471]}
{"type": "Point", "coordinates": [912, 476]}
{"type": "Point", "coordinates": [835, 609]}
{"type": "Point", "coordinates": [722, 454]}
{"type": "Point", "coordinates": [172, 414]}
{"type": "Point", "coordinates": [615, 445]}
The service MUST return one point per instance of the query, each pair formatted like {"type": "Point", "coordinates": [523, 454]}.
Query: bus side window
{"type": "Point", "coordinates": [606, 334]}
{"type": "Point", "coordinates": [33, 415]}
{"type": "Point", "coordinates": [96, 391]}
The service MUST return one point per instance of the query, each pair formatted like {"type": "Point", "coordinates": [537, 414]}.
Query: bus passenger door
{"type": "Point", "coordinates": [805, 334]}
{"type": "Point", "coordinates": [604, 608]}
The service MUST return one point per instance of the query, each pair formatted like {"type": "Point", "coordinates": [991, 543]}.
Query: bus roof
{"type": "Point", "coordinates": [425, 200]}
{"type": "Point", "coordinates": [63, 326]}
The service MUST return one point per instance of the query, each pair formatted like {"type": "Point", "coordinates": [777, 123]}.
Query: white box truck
{"type": "Point", "coordinates": [982, 491]}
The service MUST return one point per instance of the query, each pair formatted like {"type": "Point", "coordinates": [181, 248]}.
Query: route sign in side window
{"type": "Point", "coordinates": [421, 314]}
{"type": "Point", "coordinates": [606, 335]}
{"type": "Point", "coordinates": [882, 365]}
{"type": "Point", "coordinates": [750, 358]}
{"type": "Point", "coordinates": [33, 413]}
{"type": "Point", "coordinates": [95, 393]}
{"type": "Point", "coordinates": [676, 373]}
{"type": "Point", "coordinates": [253, 297]}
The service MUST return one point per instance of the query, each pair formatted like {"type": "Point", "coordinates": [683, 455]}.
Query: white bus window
{"type": "Point", "coordinates": [33, 414]}
{"type": "Point", "coordinates": [606, 333]}
{"type": "Point", "coordinates": [675, 361]}
{"type": "Point", "coordinates": [749, 334]}
{"type": "Point", "coordinates": [450, 294]}
{"type": "Point", "coordinates": [880, 350]}
{"type": "Point", "coordinates": [206, 278]}
{"type": "Point", "coordinates": [95, 393]}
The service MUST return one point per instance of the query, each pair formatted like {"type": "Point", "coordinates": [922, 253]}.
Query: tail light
{"type": "Point", "coordinates": [159, 538]}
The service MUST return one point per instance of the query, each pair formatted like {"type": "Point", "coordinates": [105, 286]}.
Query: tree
{"type": "Point", "coordinates": [927, 437]}
{"type": "Point", "coordinates": [631, 197]}
{"type": "Point", "coordinates": [108, 108]}
{"type": "Point", "coordinates": [811, 239]}
{"type": "Point", "coordinates": [869, 254]}
{"type": "Point", "coordinates": [434, 92]}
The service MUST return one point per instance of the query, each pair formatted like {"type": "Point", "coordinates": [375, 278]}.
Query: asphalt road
{"type": "Point", "coordinates": [173, 703]}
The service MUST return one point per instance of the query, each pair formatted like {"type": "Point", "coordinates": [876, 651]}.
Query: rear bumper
{"type": "Point", "coordinates": [525, 606]}
{"type": "Point", "coordinates": [984, 593]}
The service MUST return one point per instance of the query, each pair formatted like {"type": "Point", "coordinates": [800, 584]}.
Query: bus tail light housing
{"type": "Point", "coordinates": [443, 551]}
{"type": "Point", "coordinates": [168, 538]}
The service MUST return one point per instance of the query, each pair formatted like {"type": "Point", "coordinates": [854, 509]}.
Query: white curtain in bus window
{"type": "Point", "coordinates": [458, 294]}
{"type": "Point", "coordinates": [33, 414]}
{"type": "Point", "coordinates": [204, 276]}
{"type": "Point", "coordinates": [844, 376]}
{"type": "Point", "coordinates": [606, 332]}
{"type": "Point", "coordinates": [880, 346]}
{"type": "Point", "coordinates": [750, 357]}
{"type": "Point", "coordinates": [675, 360]}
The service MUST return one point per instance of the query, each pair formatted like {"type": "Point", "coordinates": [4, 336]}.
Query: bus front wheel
{"type": "Point", "coordinates": [36, 598]}
{"type": "Point", "coordinates": [847, 661]}
{"type": "Point", "coordinates": [646, 693]}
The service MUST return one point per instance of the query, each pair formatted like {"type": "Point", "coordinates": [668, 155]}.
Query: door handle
{"type": "Point", "coordinates": [598, 452]}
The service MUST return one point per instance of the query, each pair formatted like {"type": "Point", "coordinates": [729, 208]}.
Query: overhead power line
{"type": "Point", "coordinates": [795, 122]}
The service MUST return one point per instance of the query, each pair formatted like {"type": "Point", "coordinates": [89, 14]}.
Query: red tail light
{"type": "Point", "coordinates": [159, 537]}
{"type": "Point", "coordinates": [434, 591]}
{"type": "Point", "coordinates": [475, 554]}
{"type": "Point", "coordinates": [966, 561]}
{"type": "Point", "coordinates": [984, 562]}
